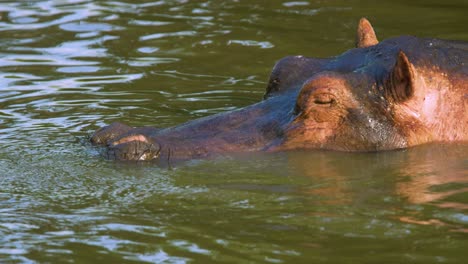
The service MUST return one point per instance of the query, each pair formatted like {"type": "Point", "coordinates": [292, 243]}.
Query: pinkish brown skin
{"type": "Point", "coordinates": [426, 114]}
{"type": "Point", "coordinates": [396, 94]}
{"type": "Point", "coordinates": [436, 111]}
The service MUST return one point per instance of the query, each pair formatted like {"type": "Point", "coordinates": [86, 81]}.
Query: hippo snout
{"type": "Point", "coordinates": [123, 142]}
{"type": "Point", "coordinates": [133, 148]}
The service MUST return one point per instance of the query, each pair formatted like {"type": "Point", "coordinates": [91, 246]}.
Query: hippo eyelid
{"type": "Point", "coordinates": [324, 99]}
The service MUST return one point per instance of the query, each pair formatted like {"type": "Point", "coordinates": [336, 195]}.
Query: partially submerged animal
{"type": "Point", "coordinates": [398, 93]}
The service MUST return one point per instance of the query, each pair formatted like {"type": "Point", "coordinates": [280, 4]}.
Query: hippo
{"type": "Point", "coordinates": [394, 94]}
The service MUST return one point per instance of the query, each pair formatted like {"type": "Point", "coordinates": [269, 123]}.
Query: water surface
{"type": "Point", "coordinates": [69, 67]}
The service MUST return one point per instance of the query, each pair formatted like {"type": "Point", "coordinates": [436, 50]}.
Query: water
{"type": "Point", "coordinates": [69, 67]}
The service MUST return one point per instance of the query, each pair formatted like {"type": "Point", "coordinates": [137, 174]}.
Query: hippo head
{"type": "Point", "coordinates": [349, 111]}
{"type": "Point", "coordinates": [347, 103]}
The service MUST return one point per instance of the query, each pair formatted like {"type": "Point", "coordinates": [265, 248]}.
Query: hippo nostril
{"type": "Point", "coordinates": [95, 140]}
{"type": "Point", "coordinates": [274, 85]}
{"type": "Point", "coordinates": [150, 153]}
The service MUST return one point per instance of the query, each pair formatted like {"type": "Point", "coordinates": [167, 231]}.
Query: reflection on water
{"type": "Point", "coordinates": [432, 175]}
{"type": "Point", "coordinates": [68, 67]}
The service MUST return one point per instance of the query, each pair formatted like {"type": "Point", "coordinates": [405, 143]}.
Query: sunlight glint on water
{"type": "Point", "coordinates": [69, 67]}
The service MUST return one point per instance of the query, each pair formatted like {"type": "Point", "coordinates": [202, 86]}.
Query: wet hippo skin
{"type": "Point", "coordinates": [398, 93]}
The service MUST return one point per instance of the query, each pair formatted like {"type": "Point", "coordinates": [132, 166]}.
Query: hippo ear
{"type": "Point", "coordinates": [399, 85]}
{"type": "Point", "coordinates": [365, 36]}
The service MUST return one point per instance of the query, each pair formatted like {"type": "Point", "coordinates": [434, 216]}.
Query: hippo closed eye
{"type": "Point", "coordinates": [401, 92]}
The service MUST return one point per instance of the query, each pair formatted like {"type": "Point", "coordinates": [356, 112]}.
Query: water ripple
{"type": "Point", "coordinates": [68, 67]}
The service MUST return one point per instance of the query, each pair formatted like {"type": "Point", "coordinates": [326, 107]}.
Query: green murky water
{"type": "Point", "coordinates": [69, 67]}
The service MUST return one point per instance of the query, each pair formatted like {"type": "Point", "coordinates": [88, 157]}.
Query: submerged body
{"type": "Point", "coordinates": [398, 93]}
